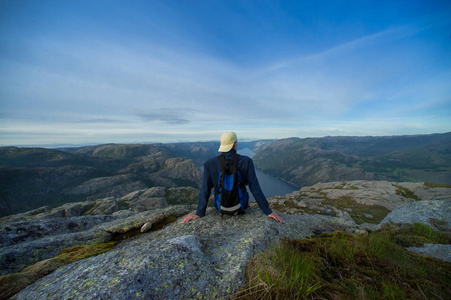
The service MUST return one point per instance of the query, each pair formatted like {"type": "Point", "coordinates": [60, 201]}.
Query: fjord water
{"type": "Point", "coordinates": [270, 185]}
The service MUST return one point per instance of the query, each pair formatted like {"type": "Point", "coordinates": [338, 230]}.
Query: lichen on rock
{"type": "Point", "coordinates": [206, 257]}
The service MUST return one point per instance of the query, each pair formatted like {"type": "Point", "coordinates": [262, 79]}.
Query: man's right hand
{"type": "Point", "coordinates": [276, 217]}
{"type": "Point", "coordinates": [190, 218]}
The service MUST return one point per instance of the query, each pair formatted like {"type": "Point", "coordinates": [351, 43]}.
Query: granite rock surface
{"type": "Point", "coordinates": [203, 258]}
{"type": "Point", "coordinates": [158, 257]}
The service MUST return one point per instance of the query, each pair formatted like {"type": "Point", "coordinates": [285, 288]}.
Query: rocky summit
{"type": "Point", "coordinates": [158, 257]}
{"type": "Point", "coordinates": [361, 201]}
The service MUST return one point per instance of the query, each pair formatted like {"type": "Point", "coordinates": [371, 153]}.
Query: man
{"type": "Point", "coordinates": [212, 168]}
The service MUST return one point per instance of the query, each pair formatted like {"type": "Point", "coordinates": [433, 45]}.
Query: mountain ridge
{"type": "Point", "coordinates": [304, 162]}
{"type": "Point", "coordinates": [33, 177]}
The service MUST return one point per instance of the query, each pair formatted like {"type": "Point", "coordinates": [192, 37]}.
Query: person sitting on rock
{"type": "Point", "coordinates": [245, 165]}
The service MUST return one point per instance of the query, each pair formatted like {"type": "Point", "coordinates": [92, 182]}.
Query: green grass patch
{"type": "Point", "coordinates": [359, 211]}
{"type": "Point", "coordinates": [72, 254]}
{"type": "Point", "coordinates": [281, 273]}
{"type": "Point", "coordinates": [415, 235]}
{"type": "Point", "coordinates": [341, 266]}
{"type": "Point", "coordinates": [439, 224]}
{"type": "Point", "coordinates": [437, 185]}
{"type": "Point", "coordinates": [405, 192]}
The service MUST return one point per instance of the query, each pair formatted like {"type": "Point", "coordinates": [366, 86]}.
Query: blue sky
{"type": "Point", "coordinates": [91, 72]}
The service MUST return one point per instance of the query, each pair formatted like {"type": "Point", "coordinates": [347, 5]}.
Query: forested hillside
{"type": "Point", "coordinates": [34, 177]}
{"type": "Point", "coordinates": [304, 162]}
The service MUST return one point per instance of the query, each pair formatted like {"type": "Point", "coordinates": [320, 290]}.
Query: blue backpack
{"type": "Point", "coordinates": [231, 196]}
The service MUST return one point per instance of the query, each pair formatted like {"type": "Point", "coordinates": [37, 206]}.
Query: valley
{"type": "Point", "coordinates": [34, 177]}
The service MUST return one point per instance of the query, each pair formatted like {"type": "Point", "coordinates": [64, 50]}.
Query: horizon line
{"type": "Point", "coordinates": [244, 140]}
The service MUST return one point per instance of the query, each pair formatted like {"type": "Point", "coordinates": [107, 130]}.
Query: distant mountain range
{"type": "Point", "coordinates": [305, 162]}
{"type": "Point", "coordinates": [35, 177]}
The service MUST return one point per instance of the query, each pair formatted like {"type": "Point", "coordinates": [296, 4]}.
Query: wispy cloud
{"type": "Point", "coordinates": [371, 40]}
{"type": "Point", "coordinates": [170, 116]}
{"type": "Point", "coordinates": [94, 121]}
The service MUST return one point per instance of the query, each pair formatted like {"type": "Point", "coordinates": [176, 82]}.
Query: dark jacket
{"type": "Point", "coordinates": [212, 168]}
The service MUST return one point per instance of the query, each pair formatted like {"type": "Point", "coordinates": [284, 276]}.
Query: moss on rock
{"type": "Point", "coordinates": [13, 283]}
